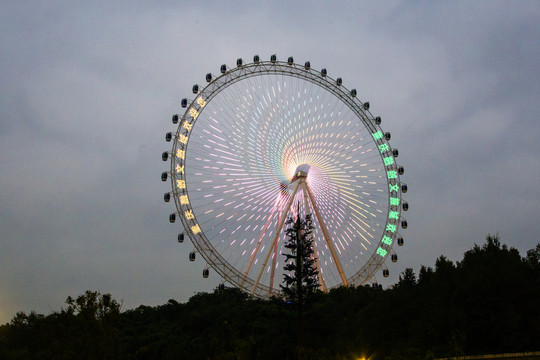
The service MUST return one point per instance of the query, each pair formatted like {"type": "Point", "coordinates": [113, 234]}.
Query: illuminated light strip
{"type": "Point", "coordinates": [364, 232]}
{"type": "Point", "coordinates": [362, 221]}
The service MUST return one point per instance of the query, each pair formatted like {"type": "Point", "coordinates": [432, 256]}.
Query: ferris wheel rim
{"type": "Point", "coordinates": [213, 89]}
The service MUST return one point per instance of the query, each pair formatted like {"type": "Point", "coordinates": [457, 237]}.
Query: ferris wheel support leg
{"type": "Point", "coordinates": [274, 258]}
{"type": "Point", "coordinates": [308, 212]}
{"type": "Point", "coordinates": [273, 271]}
{"type": "Point", "coordinates": [327, 237]}
{"type": "Point", "coordinates": [276, 236]}
{"type": "Point", "coordinates": [260, 241]}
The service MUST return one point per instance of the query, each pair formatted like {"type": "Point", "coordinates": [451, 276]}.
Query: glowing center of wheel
{"type": "Point", "coordinates": [301, 171]}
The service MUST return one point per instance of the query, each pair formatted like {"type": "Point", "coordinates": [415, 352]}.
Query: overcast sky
{"type": "Point", "coordinates": [87, 90]}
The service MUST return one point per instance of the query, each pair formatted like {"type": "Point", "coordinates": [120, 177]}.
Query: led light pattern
{"type": "Point", "coordinates": [237, 158]}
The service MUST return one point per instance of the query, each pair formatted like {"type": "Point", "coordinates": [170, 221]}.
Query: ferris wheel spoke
{"type": "Point", "coordinates": [274, 257]}
{"type": "Point", "coordinates": [273, 270]}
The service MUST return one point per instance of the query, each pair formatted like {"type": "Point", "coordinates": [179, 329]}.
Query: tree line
{"type": "Point", "coordinates": [486, 303]}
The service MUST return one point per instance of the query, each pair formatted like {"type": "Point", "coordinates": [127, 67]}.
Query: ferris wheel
{"type": "Point", "coordinates": [268, 140]}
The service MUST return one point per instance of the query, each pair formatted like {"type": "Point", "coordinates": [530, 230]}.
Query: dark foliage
{"type": "Point", "coordinates": [301, 278]}
{"type": "Point", "coordinates": [486, 303]}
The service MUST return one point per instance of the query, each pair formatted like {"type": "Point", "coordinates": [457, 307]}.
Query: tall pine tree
{"type": "Point", "coordinates": [301, 279]}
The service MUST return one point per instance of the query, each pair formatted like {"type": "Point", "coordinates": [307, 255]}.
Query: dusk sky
{"type": "Point", "coordinates": [88, 90]}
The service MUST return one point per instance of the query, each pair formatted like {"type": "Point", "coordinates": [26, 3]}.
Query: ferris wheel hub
{"type": "Point", "coordinates": [300, 172]}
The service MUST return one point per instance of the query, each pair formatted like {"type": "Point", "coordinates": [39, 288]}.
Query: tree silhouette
{"type": "Point", "coordinates": [301, 280]}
